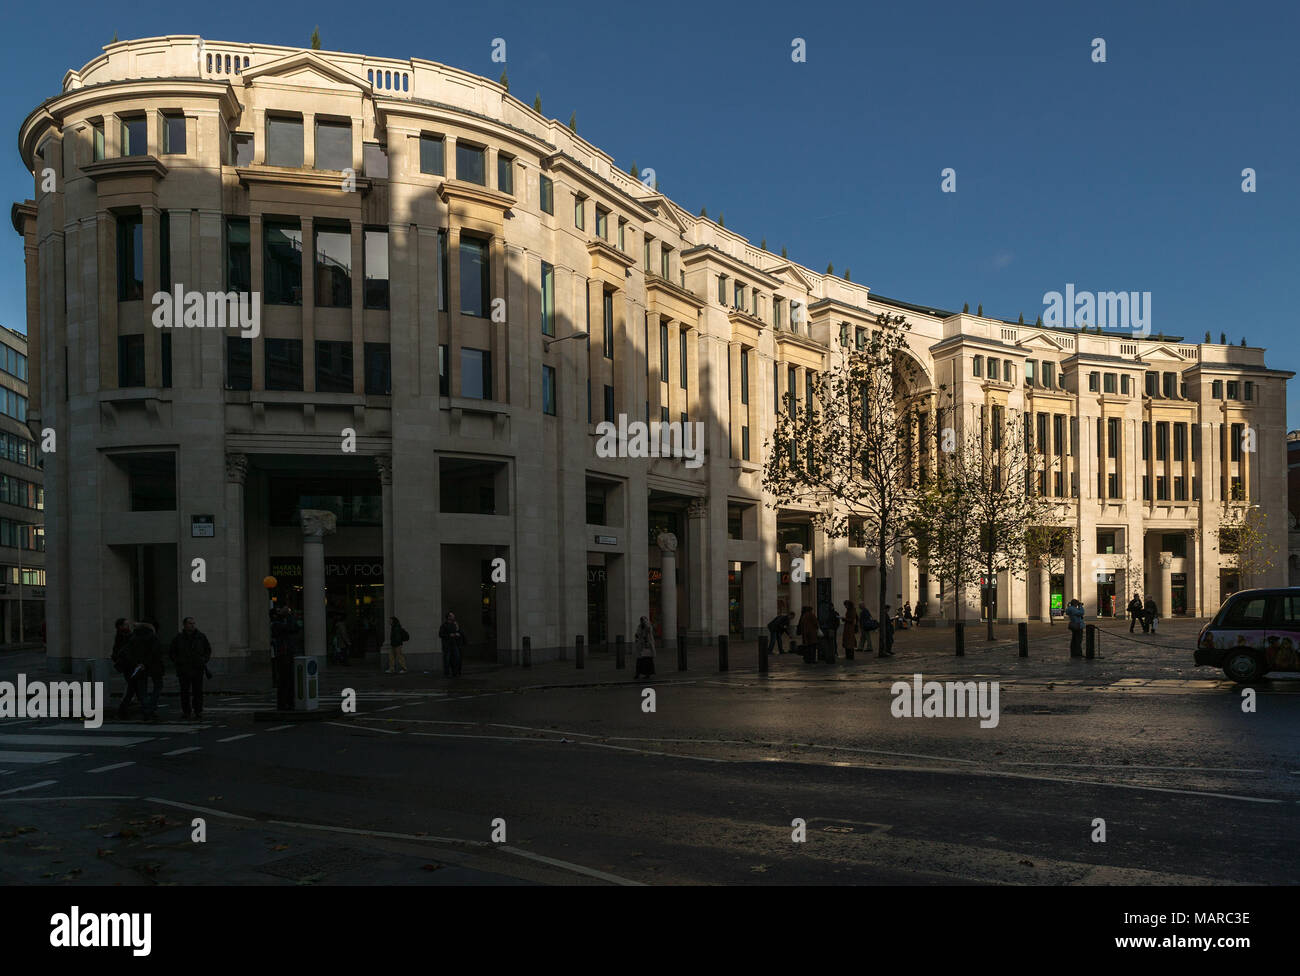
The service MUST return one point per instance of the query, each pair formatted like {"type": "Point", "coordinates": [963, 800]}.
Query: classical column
{"type": "Point", "coordinates": [384, 463]}
{"type": "Point", "coordinates": [697, 546]}
{"type": "Point", "coordinates": [1166, 584]}
{"type": "Point", "coordinates": [1044, 591]}
{"type": "Point", "coordinates": [236, 555]}
{"type": "Point", "coordinates": [795, 551]}
{"type": "Point", "coordinates": [668, 588]}
{"type": "Point", "coordinates": [316, 524]}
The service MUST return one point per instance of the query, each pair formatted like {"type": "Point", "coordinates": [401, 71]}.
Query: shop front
{"type": "Point", "coordinates": [354, 593]}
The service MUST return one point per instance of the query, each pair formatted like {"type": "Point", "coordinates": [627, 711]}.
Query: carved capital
{"type": "Point", "coordinates": [794, 549]}
{"type": "Point", "coordinates": [697, 509]}
{"type": "Point", "coordinates": [236, 468]}
{"type": "Point", "coordinates": [667, 543]}
{"type": "Point", "coordinates": [384, 463]}
{"type": "Point", "coordinates": [1166, 560]}
{"type": "Point", "coordinates": [317, 523]}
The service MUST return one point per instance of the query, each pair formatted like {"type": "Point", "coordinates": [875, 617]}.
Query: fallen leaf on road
{"type": "Point", "coordinates": [430, 867]}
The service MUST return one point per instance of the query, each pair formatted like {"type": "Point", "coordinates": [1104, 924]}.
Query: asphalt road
{"type": "Point", "coordinates": [592, 788]}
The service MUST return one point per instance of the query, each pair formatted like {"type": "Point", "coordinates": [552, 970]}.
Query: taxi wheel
{"type": "Point", "coordinates": [1243, 667]}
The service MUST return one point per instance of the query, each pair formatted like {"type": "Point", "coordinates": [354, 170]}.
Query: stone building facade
{"type": "Point", "coordinates": [422, 248]}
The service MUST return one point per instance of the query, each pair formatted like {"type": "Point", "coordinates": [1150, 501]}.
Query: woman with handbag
{"type": "Point", "coordinates": [809, 634]}
{"type": "Point", "coordinates": [397, 636]}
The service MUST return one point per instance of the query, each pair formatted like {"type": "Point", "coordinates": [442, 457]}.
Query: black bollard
{"type": "Point", "coordinates": [620, 662]}
{"type": "Point", "coordinates": [722, 652]}
{"type": "Point", "coordinates": [1022, 632]}
{"type": "Point", "coordinates": [960, 632]}
{"type": "Point", "coordinates": [579, 652]}
{"type": "Point", "coordinates": [1090, 636]}
{"type": "Point", "coordinates": [528, 652]}
{"type": "Point", "coordinates": [681, 650]}
{"type": "Point", "coordinates": [762, 656]}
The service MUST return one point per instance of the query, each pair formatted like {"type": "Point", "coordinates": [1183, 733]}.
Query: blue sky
{"type": "Point", "coordinates": [1117, 176]}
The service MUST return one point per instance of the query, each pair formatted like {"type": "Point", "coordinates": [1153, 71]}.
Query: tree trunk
{"type": "Point", "coordinates": [993, 596]}
{"type": "Point", "coordinates": [886, 642]}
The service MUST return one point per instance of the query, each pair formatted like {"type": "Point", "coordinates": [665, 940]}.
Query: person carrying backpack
{"type": "Point", "coordinates": [866, 624]}
{"type": "Point", "coordinates": [145, 652]}
{"type": "Point", "coordinates": [397, 636]}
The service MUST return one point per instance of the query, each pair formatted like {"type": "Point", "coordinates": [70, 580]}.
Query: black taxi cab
{"type": "Point", "coordinates": [1255, 633]}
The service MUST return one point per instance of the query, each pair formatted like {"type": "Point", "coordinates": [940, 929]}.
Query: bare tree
{"type": "Point", "coordinates": [1243, 535]}
{"type": "Point", "coordinates": [849, 452]}
{"type": "Point", "coordinates": [1046, 544]}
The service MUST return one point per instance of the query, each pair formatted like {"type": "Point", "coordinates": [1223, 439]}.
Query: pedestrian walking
{"type": "Point", "coordinates": [452, 640]}
{"type": "Point", "coordinates": [866, 624]}
{"type": "Point", "coordinates": [122, 663]}
{"type": "Point", "coordinates": [887, 638]}
{"type": "Point", "coordinates": [190, 652]}
{"type": "Point", "coordinates": [829, 619]}
{"type": "Point", "coordinates": [850, 638]}
{"type": "Point", "coordinates": [1135, 611]}
{"type": "Point", "coordinates": [397, 636]}
{"type": "Point", "coordinates": [1151, 615]}
{"type": "Point", "coordinates": [644, 644]}
{"type": "Point", "coordinates": [919, 612]}
{"type": "Point", "coordinates": [907, 614]}
{"type": "Point", "coordinates": [1074, 614]}
{"type": "Point", "coordinates": [777, 628]}
{"type": "Point", "coordinates": [146, 652]}
{"type": "Point", "coordinates": [284, 644]}
{"type": "Point", "coordinates": [809, 633]}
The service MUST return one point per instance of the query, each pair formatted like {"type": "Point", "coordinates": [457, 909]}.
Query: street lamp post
{"type": "Point", "coordinates": [547, 343]}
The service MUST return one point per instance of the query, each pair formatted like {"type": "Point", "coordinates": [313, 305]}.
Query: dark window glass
{"type": "Point", "coordinates": [505, 173]}
{"type": "Point", "coordinates": [174, 135]}
{"type": "Point", "coordinates": [609, 403]}
{"type": "Point", "coordinates": [333, 261]}
{"type": "Point", "coordinates": [239, 363]}
{"type": "Point", "coordinates": [333, 366]}
{"type": "Point", "coordinates": [431, 155]}
{"type": "Point", "coordinates": [241, 148]}
{"type": "Point", "coordinates": [379, 374]}
{"type": "Point", "coordinates": [376, 268]}
{"type": "Point", "coordinates": [663, 351]}
{"type": "Point", "coordinates": [1108, 383]}
{"type": "Point", "coordinates": [284, 141]}
{"type": "Point", "coordinates": [474, 284]}
{"type": "Point", "coordinates": [374, 160]}
{"type": "Point", "coordinates": [130, 258]}
{"type": "Point", "coordinates": [548, 390]}
{"type": "Point", "coordinates": [130, 361]}
{"type": "Point", "coordinates": [1152, 381]}
{"type": "Point", "coordinates": [1162, 440]}
{"type": "Point", "coordinates": [1247, 612]}
{"type": "Point", "coordinates": [134, 140]}
{"type": "Point", "coordinates": [166, 351]}
{"type": "Point", "coordinates": [164, 251]}
{"type": "Point", "coordinates": [239, 271]}
{"type": "Point", "coordinates": [1236, 441]}
{"type": "Point", "coordinates": [1180, 441]}
{"type": "Point", "coordinates": [548, 299]}
{"type": "Point", "coordinates": [283, 364]}
{"type": "Point", "coordinates": [744, 376]}
{"type": "Point", "coordinates": [608, 318]}
{"type": "Point", "coordinates": [282, 262]}
{"type": "Point", "coordinates": [442, 271]}
{"type": "Point", "coordinates": [444, 374]}
{"type": "Point", "coordinates": [467, 486]}
{"type": "Point", "coordinates": [98, 137]}
{"type": "Point", "coordinates": [471, 164]}
{"type": "Point", "coordinates": [1216, 389]}
{"type": "Point", "coordinates": [151, 480]}
{"type": "Point", "coordinates": [547, 194]}
{"type": "Point", "coordinates": [333, 145]}
{"type": "Point", "coordinates": [475, 373]}
{"type": "Point", "coordinates": [681, 358]}
{"type": "Point", "coordinates": [1112, 437]}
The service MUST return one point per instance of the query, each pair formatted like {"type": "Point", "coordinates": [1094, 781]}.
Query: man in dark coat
{"type": "Point", "coordinates": [283, 632]}
{"type": "Point", "coordinates": [145, 651]}
{"type": "Point", "coordinates": [190, 653]}
{"type": "Point", "coordinates": [1135, 613]}
{"type": "Point", "coordinates": [777, 628]}
{"type": "Point", "coordinates": [122, 663]}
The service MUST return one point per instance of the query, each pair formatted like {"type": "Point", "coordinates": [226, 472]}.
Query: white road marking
{"type": "Point", "coordinates": [189, 806]}
{"type": "Point", "coordinates": [389, 708]}
{"type": "Point", "coordinates": [33, 786]}
{"type": "Point", "coordinates": [90, 739]}
{"type": "Point", "coordinates": [236, 738]}
{"type": "Point", "coordinates": [177, 752]}
{"type": "Point", "coordinates": [105, 769]}
{"type": "Point", "coordinates": [346, 725]}
{"type": "Point", "coordinates": [34, 757]}
{"type": "Point", "coordinates": [277, 728]}
{"type": "Point", "coordinates": [570, 866]}
{"type": "Point", "coordinates": [116, 727]}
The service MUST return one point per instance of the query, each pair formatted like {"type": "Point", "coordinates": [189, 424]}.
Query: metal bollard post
{"type": "Point", "coordinates": [762, 655]}
{"type": "Point", "coordinates": [722, 652]}
{"type": "Point", "coordinates": [579, 651]}
{"type": "Point", "coordinates": [960, 632]}
{"type": "Point", "coordinates": [528, 652]}
{"type": "Point", "coordinates": [1023, 634]}
{"type": "Point", "coordinates": [1090, 651]}
{"type": "Point", "coordinates": [681, 650]}
{"type": "Point", "coordinates": [620, 662]}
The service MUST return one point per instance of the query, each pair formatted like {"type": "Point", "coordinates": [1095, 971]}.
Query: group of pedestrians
{"type": "Point", "coordinates": [138, 656]}
{"type": "Point", "coordinates": [824, 631]}
{"type": "Point", "coordinates": [1145, 613]}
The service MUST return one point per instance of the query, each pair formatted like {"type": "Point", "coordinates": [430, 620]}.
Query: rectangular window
{"type": "Point", "coordinates": [1094, 379]}
{"type": "Point", "coordinates": [1216, 389]}
{"type": "Point", "coordinates": [993, 368]}
{"type": "Point", "coordinates": [548, 299]}
{"type": "Point", "coordinates": [546, 190]}
{"type": "Point", "coordinates": [1058, 434]}
{"type": "Point", "coordinates": [609, 403]}
{"type": "Point", "coordinates": [284, 141]}
{"type": "Point", "coordinates": [97, 139]}
{"type": "Point", "coordinates": [1101, 441]}
{"type": "Point", "coordinates": [505, 173]}
{"type": "Point", "coordinates": [1112, 485]}
{"type": "Point", "coordinates": [1196, 442]}
{"type": "Point", "coordinates": [1234, 390]}
{"type": "Point", "coordinates": [173, 134]}
{"type": "Point", "coordinates": [165, 349]}
{"type": "Point", "coordinates": [1042, 444]}
{"type": "Point", "coordinates": [130, 258]}
{"type": "Point", "coordinates": [1112, 437]}
{"type": "Point", "coordinates": [744, 376]}
{"type": "Point", "coordinates": [239, 363]}
{"type": "Point", "coordinates": [1125, 385]}
{"type": "Point", "coordinates": [241, 148]}
{"type": "Point", "coordinates": [663, 351]}
{"type": "Point", "coordinates": [1074, 437]}
{"type": "Point", "coordinates": [1146, 440]}
{"type": "Point", "coordinates": [471, 163]}
{"type": "Point", "coordinates": [607, 317]}
{"type": "Point", "coordinates": [977, 366]}
{"type": "Point", "coordinates": [722, 289]}
{"type": "Point", "coordinates": [1049, 375]}
{"type": "Point", "coordinates": [1162, 488]}
{"type": "Point", "coordinates": [379, 369]}
{"type": "Point", "coordinates": [333, 145]}
{"type": "Point", "coordinates": [164, 250]}
{"type": "Point", "coordinates": [1250, 390]}
{"type": "Point", "coordinates": [374, 160]}
{"type": "Point", "coordinates": [681, 358]}
{"type": "Point", "coordinates": [283, 364]}
{"type": "Point", "coordinates": [1058, 484]}
{"type": "Point", "coordinates": [1108, 384]}
{"type": "Point", "coordinates": [444, 373]}
{"type": "Point", "coordinates": [1146, 488]}
{"type": "Point", "coordinates": [622, 235]}
{"type": "Point", "coordinates": [282, 262]}
{"type": "Point", "coordinates": [1235, 446]}
{"type": "Point", "coordinates": [1162, 440]}
{"type": "Point", "coordinates": [1238, 491]}
{"type": "Point", "coordinates": [602, 223]}
{"type": "Point", "coordinates": [1170, 381]}
{"type": "Point", "coordinates": [739, 296]}
{"type": "Point", "coordinates": [130, 363]}
{"type": "Point", "coordinates": [442, 271]}
{"type": "Point", "coordinates": [1180, 488]}
{"type": "Point", "coordinates": [548, 390]}
{"type": "Point", "coordinates": [475, 287]}
{"type": "Point", "coordinates": [333, 265]}
{"type": "Point", "coordinates": [433, 156]}
{"type": "Point", "coordinates": [375, 256]}
{"type": "Point", "coordinates": [1180, 441]}
{"type": "Point", "coordinates": [1152, 383]}
{"type": "Point", "coordinates": [475, 373]}
{"type": "Point", "coordinates": [579, 211]}
{"type": "Point", "coordinates": [333, 366]}
{"type": "Point", "coordinates": [134, 138]}
{"type": "Point", "coordinates": [665, 262]}
{"type": "Point", "coordinates": [1031, 370]}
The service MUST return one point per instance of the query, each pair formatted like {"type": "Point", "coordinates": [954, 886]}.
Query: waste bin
{"type": "Point", "coordinates": [306, 684]}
